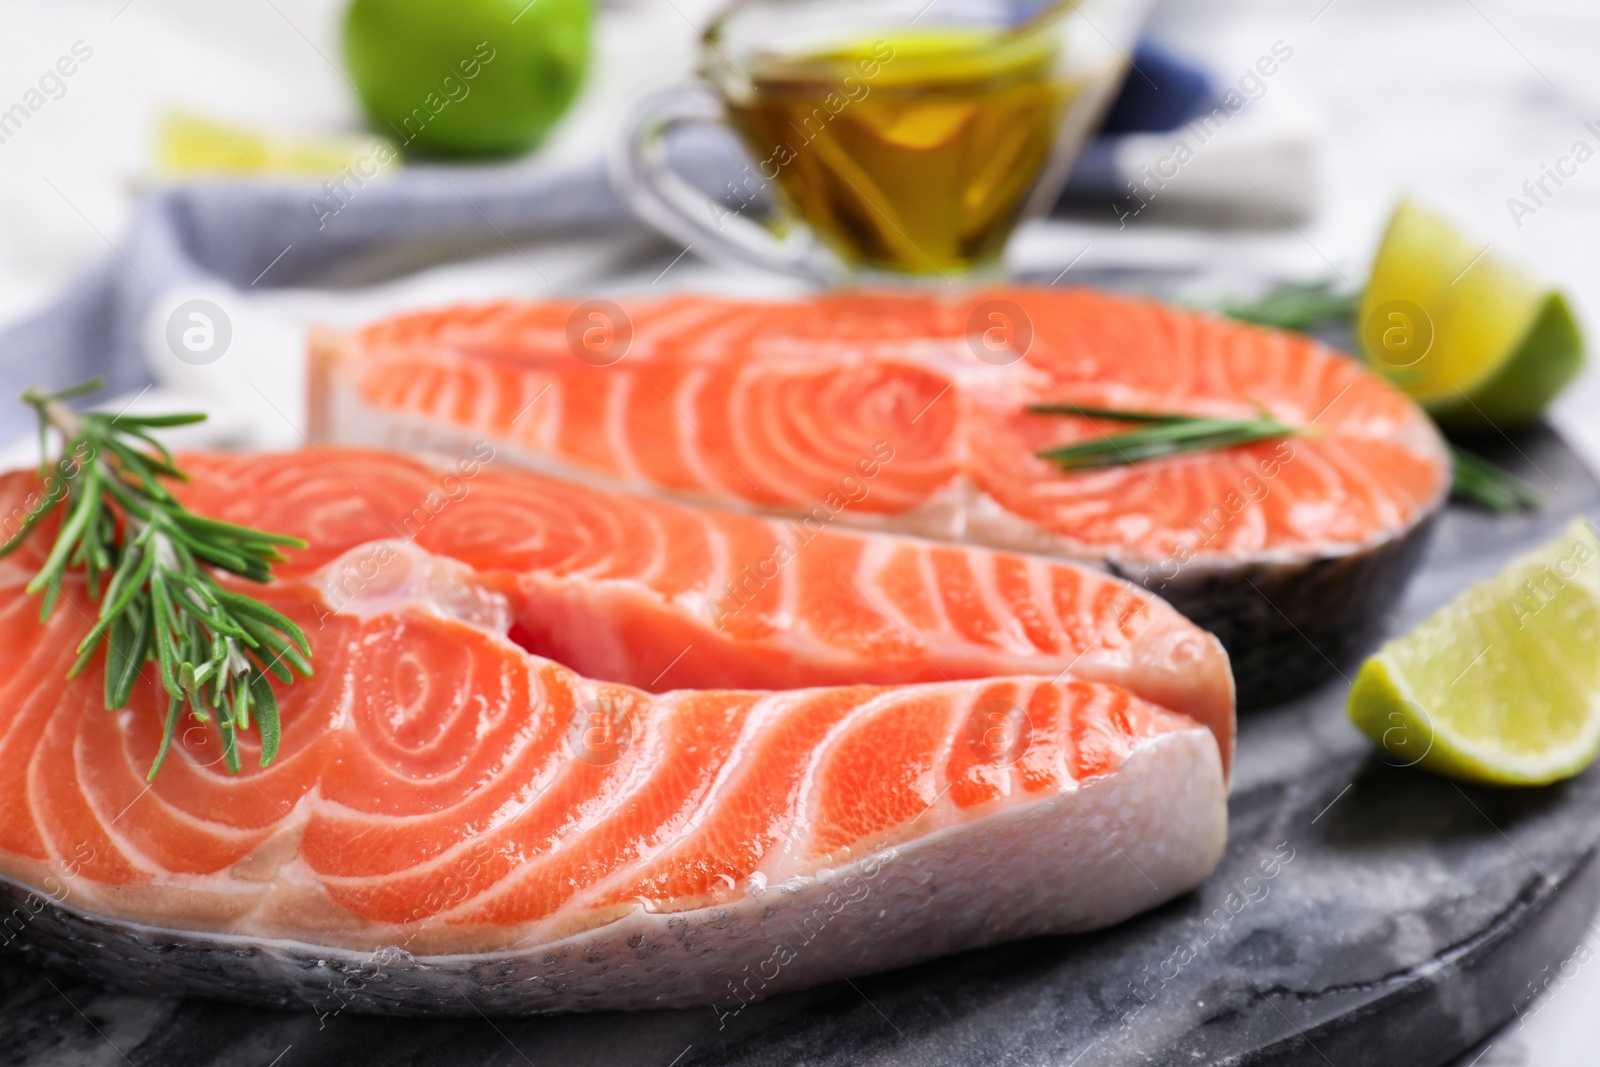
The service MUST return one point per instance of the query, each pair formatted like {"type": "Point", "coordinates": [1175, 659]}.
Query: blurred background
{"type": "Point", "coordinates": [1458, 101]}
{"type": "Point", "coordinates": [1464, 103]}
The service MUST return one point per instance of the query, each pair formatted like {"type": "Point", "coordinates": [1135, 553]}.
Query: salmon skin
{"type": "Point", "coordinates": [1289, 550]}
{"type": "Point", "coordinates": [474, 810]}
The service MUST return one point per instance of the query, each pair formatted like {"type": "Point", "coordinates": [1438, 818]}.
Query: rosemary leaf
{"type": "Point", "coordinates": [160, 421]}
{"type": "Point", "coordinates": [1162, 434]}
{"type": "Point", "coordinates": [1116, 414]}
{"type": "Point", "coordinates": [129, 648]}
{"type": "Point", "coordinates": [1477, 481]}
{"type": "Point", "coordinates": [1304, 307]}
{"type": "Point", "coordinates": [150, 564]}
{"type": "Point", "coordinates": [1301, 306]}
{"type": "Point", "coordinates": [266, 704]}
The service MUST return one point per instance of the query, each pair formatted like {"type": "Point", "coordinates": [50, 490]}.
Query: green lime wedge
{"type": "Point", "coordinates": [189, 145]}
{"type": "Point", "coordinates": [1474, 339]}
{"type": "Point", "coordinates": [1502, 685]}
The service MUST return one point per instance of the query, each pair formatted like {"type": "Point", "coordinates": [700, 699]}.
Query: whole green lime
{"type": "Point", "coordinates": [467, 77]}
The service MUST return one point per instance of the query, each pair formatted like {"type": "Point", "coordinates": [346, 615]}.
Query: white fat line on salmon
{"type": "Point", "coordinates": [353, 574]}
{"type": "Point", "coordinates": [1250, 889]}
{"type": "Point", "coordinates": [1131, 609]}
{"type": "Point", "coordinates": [348, 981]}
{"type": "Point", "coordinates": [1252, 488]}
{"type": "Point", "coordinates": [56, 891]}
{"type": "Point", "coordinates": [1538, 592]}
{"type": "Point", "coordinates": [785, 952]}
{"type": "Point", "coordinates": [855, 890]}
{"type": "Point", "coordinates": [752, 579]}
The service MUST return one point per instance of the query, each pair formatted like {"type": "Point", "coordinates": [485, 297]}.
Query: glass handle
{"type": "Point", "coordinates": [643, 176]}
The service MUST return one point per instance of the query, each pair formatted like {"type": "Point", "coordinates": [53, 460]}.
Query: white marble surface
{"type": "Point", "coordinates": [1458, 101]}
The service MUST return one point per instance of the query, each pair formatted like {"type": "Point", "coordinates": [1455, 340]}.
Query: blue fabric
{"type": "Point", "coordinates": [230, 232]}
{"type": "Point", "coordinates": [1161, 92]}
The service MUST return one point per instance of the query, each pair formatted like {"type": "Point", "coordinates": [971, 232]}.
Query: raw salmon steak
{"type": "Point", "coordinates": [1289, 550]}
{"type": "Point", "coordinates": [548, 762]}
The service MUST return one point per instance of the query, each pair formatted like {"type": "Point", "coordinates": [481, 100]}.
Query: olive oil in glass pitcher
{"type": "Point", "coordinates": [899, 140]}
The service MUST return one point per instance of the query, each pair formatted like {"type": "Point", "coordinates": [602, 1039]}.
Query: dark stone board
{"type": "Point", "coordinates": [1404, 918]}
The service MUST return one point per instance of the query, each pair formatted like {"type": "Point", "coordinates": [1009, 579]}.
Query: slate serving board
{"type": "Point", "coordinates": [1364, 914]}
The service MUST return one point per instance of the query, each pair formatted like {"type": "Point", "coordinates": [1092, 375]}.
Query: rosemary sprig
{"type": "Point", "coordinates": [149, 560]}
{"type": "Point", "coordinates": [1306, 306]}
{"type": "Point", "coordinates": [1163, 434]}
{"type": "Point", "coordinates": [1300, 306]}
{"type": "Point", "coordinates": [1490, 486]}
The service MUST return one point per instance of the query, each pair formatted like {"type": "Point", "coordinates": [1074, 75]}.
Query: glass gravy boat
{"type": "Point", "coordinates": [899, 139]}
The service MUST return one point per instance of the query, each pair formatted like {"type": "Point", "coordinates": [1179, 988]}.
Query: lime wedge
{"type": "Point", "coordinates": [1474, 339]}
{"type": "Point", "coordinates": [190, 146]}
{"type": "Point", "coordinates": [1501, 685]}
